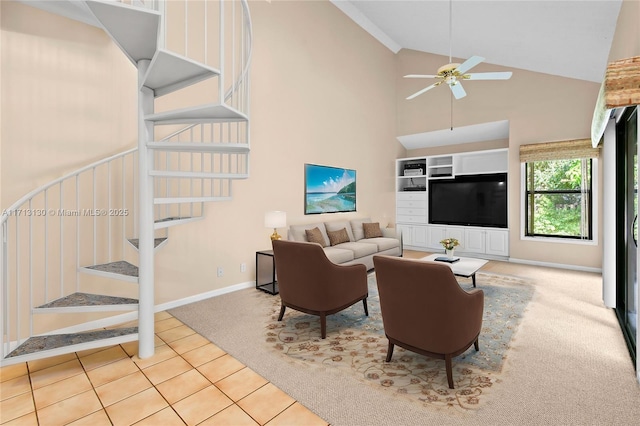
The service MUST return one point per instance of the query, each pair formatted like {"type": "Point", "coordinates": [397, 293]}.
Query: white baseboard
{"type": "Point", "coordinates": [131, 316]}
{"type": "Point", "coordinates": [202, 296]}
{"type": "Point", "coordinates": [556, 265]}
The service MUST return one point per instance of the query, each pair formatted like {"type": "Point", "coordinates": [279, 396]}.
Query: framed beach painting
{"type": "Point", "coordinates": [329, 189]}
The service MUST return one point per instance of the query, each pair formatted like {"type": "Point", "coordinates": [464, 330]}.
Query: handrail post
{"type": "Point", "coordinates": [146, 302]}
{"type": "Point", "coordinates": [161, 7]}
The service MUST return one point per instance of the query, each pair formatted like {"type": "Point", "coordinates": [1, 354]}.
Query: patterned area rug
{"type": "Point", "coordinates": [357, 344]}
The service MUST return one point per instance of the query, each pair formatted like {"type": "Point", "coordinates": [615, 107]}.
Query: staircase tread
{"type": "Point", "coordinates": [214, 112]}
{"type": "Point", "coordinates": [156, 242]}
{"type": "Point", "coordinates": [197, 175]}
{"type": "Point", "coordinates": [226, 147]}
{"type": "Point", "coordinates": [169, 72]}
{"type": "Point", "coordinates": [87, 299]}
{"type": "Point", "coordinates": [53, 341]}
{"type": "Point", "coordinates": [121, 267]}
{"type": "Point", "coordinates": [133, 29]}
{"type": "Point", "coordinates": [198, 199]}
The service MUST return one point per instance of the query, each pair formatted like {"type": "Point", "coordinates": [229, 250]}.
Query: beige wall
{"type": "Point", "coordinates": [539, 107]}
{"type": "Point", "coordinates": [68, 98]}
{"type": "Point", "coordinates": [626, 41]}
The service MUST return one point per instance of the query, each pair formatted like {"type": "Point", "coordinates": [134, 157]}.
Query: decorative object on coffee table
{"type": "Point", "coordinates": [450, 245]}
{"type": "Point", "coordinates": [275, 219]}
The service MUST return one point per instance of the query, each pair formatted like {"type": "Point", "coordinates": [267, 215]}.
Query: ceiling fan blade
{"type": "Point", "coordinates": [420, 76]}
{"type": "Point", "coordinates": [458, 90]}
{"type": "Point", "coordinates": [420, 92]}
{"type": "Point", "coordinates": [469, 63]}
{"type": "Point", "coordinates": [489, 76]}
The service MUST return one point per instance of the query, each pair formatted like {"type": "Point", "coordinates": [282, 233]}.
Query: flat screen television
{"type": "Point", "coordinates": [329, 189]}
{"type": "Point", "coordinates": [477, 200]}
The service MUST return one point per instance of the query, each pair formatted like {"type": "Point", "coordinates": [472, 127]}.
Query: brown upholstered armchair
{"type": "Point", "coordinates": [311, 283]}
{"type": "Point", "coordinates": [425, 310]}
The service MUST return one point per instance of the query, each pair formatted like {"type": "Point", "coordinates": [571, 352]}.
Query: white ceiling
{"type": "Point", "coordinates": [569, 38]}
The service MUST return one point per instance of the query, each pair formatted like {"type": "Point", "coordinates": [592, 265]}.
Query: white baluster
{"type": "Point", "coordinates": [221, 42]}
{"type": "Point", "coordinates": [77, 231]}
{"type": "Point", "coordinates": [31, 264]}
{"type": "Point", "coordinates": [61, 209]}
{"type": "Point", "coordinates": [109, 212]}
{"type": "Point", "coordinates": [18, 282]}
{"type": "Point", "coordinates": [46, 236]}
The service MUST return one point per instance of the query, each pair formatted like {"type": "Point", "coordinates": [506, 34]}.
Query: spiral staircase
{"type": "Point", "coordinates": [83, 245]}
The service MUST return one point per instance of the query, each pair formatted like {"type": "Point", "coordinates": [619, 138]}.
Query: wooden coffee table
{"type": "Point", "coordinates": [465, 267]}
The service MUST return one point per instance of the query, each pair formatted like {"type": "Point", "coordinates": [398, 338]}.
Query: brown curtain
{"type": "Point", "coordinates": [622, 83]}
{"type": "Point", "coordinates": [560, 150]}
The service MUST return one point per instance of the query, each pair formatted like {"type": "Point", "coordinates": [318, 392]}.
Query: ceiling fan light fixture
{"type": "Point", "coordinates": [453, 73]}
{"type": "Point", "coordinates": [447, 68]}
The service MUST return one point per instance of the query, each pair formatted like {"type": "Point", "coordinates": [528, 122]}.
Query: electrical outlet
{"type": "Point", "coordinates": [220, 271]}
{"type": "Point", "coordinates": [243, 267]}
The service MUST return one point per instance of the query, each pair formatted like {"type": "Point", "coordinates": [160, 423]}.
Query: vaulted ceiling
{"type": "Point", "coordinates": [569, 38]}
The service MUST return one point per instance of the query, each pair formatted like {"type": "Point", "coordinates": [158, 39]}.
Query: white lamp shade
{"type": "Point", "coordinates": [275, 219]}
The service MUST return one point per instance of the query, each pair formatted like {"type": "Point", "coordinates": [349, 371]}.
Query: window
{"type": "Point", "coordinates": [558, 199]}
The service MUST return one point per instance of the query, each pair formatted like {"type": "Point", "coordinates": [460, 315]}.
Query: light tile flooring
{"type": "Point", "coordinates": [189, 380]}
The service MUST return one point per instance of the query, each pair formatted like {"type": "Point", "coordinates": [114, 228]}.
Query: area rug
{"type": "Point", "coordinates": [357, 345]}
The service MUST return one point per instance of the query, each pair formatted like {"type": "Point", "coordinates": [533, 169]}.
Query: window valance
{"type": "Point", "coordinates": [560, 150]}
{"type": "Point", "coordinates": [622, 83]}
{"type": "Point", "coordinates": [620, 88]}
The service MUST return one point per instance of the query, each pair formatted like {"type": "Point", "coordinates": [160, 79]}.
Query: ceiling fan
{"type": "Point", "coordinates": [453, 73]}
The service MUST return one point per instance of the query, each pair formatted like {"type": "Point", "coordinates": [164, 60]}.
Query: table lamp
{"type": "Point", "coordinates": [275, 219]}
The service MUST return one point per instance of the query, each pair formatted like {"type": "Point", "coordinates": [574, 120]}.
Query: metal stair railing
{"type": "Point", "coordinates": [229, 50]}
{"type": "Point", "coordinates": [83, 218]}
{"type": "Point", "coordinates": [216, 33]}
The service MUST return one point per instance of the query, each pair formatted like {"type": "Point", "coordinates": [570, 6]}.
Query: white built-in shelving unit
{"type": "Point", "coordinates": [412, 210]}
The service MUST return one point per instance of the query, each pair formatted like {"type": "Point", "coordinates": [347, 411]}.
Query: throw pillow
{"type": "Point", "coordinates": [372, 230]}
{"type": "Point", "coordinates": [315, 236]}
{"type": "Point", "coordinates": [337, 237]}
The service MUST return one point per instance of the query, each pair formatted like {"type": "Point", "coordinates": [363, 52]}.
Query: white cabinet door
{"type": "Point", "coordinates": [435, 235]}
{"type": "Point", "coordinates": [474, 241]}
{"type": "Point", "coordinates": [456, 232]}
{"type": "Point", "coordinates": [439, 233]}
{"type": "Point", "coordinates": [413, 235]}
{"type": "Point", "coordinates": [406, 231]}
{"type": "Point", "coordinates": [498, 243]}
{"type": "Point", "coordinates": [420, 236]}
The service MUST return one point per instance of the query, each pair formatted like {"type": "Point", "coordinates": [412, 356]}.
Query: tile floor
{"type": "Point", "coordinates": [189, 381]}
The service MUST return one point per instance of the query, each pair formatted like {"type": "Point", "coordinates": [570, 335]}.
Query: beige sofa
{"type": "Point", "coordinates": [357, 249]}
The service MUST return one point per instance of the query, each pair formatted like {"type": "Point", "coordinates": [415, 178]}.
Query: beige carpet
{"type": "Point", "coordinates": [568, 363]}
